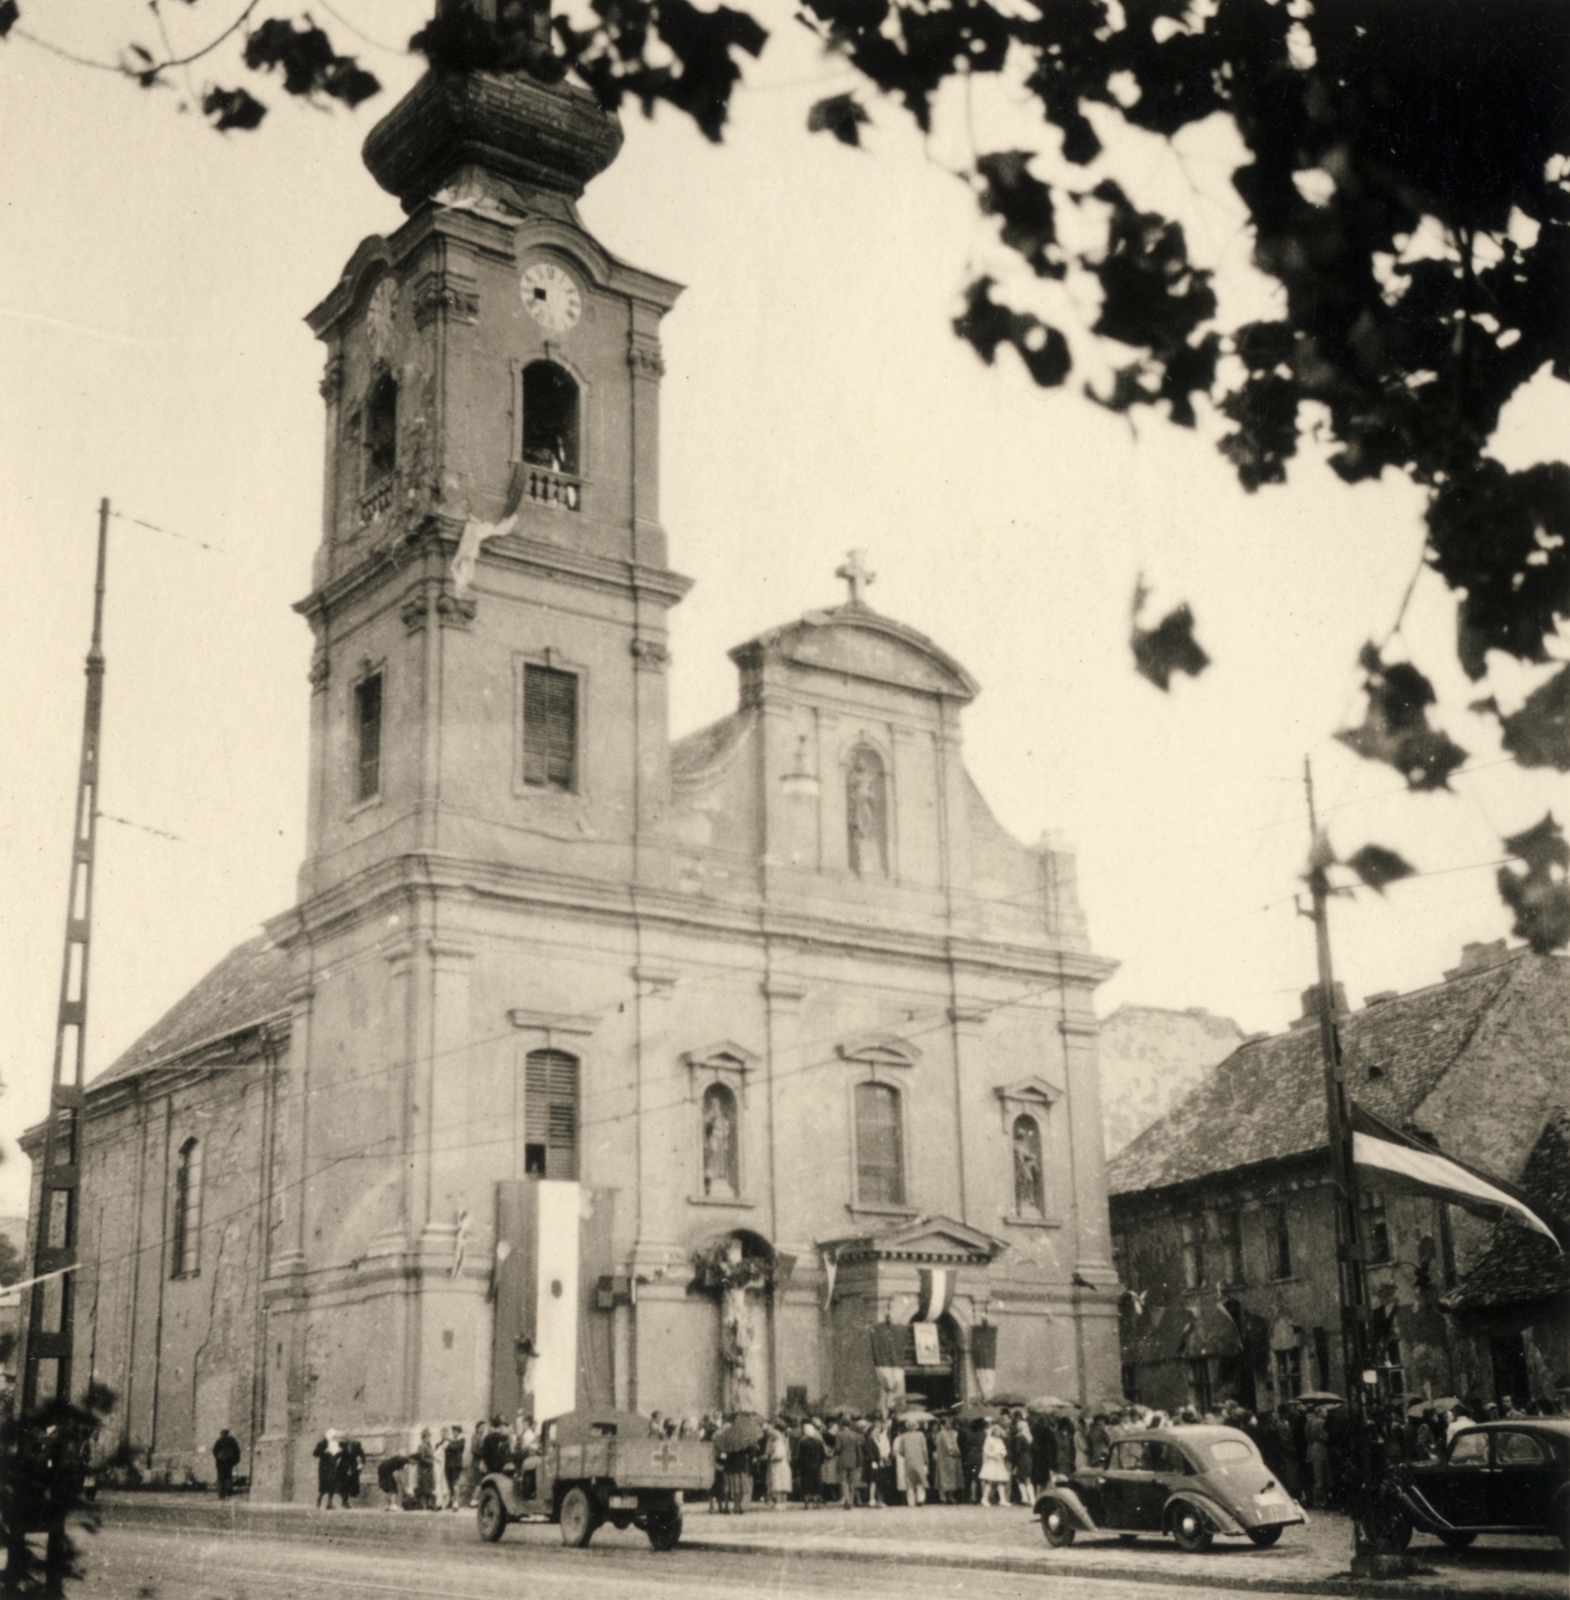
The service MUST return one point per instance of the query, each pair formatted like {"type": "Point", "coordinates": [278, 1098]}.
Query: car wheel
{"type": "Point", "coordinates": [664, 1528]}
{"type": "Point", "coordinates": [1190, 1530]}
{"type": "Point", "coordinates": [1055, 1524]}
{"type": "Point", "coordinates": [1265, 1537]}
{"type": "Point", "coordinates": [1458, 1538]}
{"type": "Point", "coordinates": [577, 1518]}
{"type": "Point", "coordinates": [491, 1515]}
{"type": "Point", "coordinates": [1128, 1538]}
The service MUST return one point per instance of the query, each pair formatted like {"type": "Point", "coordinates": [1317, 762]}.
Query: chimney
{"type": "Point", "coordinates": [1479, 957]}
{"type": "Point", "coordinates": [1311, 1005]}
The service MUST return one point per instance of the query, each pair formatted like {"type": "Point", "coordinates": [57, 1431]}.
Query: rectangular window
{"type": "Point", "coordinates": [1322, 1357]}
{"type": "Point", "coordinates": [1199, 1387]}
{"type": "Point", "coordinates": [550, 1115]}
{"type": "Point", "coordinates": [1193, 1254]}
{"type": "Point", "coordinates": [1278, 1242]}
{"type": "Point", "coordinates": [1122, 1260]}
{"type": "Point", "coordinates": [186, 1240]}
{"type": "Point", "coordinates": [1289, 1374]}
{"type": "Point", "coordinates": [550, 728]}
{"type": "Point", "coordinates": [880, 1157]}
{"type": "Point", "coordinates": [368, 738]}
{"type": "Point", "coordinates": [1225, 1229]}
{"type": "Point", "coordinates": [1447, 1243]}
{"type": "Point", "coordinates": [1376, 1227]}
{"type": "Point", "coordinates": [1392, 1372]}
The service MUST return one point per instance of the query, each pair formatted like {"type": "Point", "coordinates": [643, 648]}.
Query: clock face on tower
{"type": "Point", "coordinates": [551, 296]}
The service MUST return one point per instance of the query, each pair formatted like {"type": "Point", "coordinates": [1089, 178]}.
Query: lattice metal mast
{"type": "Point", "coordinates": [52, 1301]}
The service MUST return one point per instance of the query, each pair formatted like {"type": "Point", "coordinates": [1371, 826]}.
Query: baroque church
{"type": "Point", "coordinates": [589, 1068]}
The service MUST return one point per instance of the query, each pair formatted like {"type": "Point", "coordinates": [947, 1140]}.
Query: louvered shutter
{"type": "Point", "coordinates": [550, 728]}
{"type": "Point", "coordinates": [550, 1109]}
{"type": "Point", "coordinates": [880, 1166]}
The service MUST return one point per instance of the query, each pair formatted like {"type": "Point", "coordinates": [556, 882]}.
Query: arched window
{"type": "Point", "coordinates": [381, 428]}
{"type": "Point", "coordinates": [880, 1146]}
{"type": "Point", "coordinates": [721, 1156]}
{"type": "Point", "coordinates": [186, 1252]}
{"type": "Point", "coordinates": [866, 813]}
{"type": "Point", "coordinates": [550, 418]}
{"type": "Point", "coordinates": [550, 1115]}
{"type": "Point", "coordinates": [1029, 1191]}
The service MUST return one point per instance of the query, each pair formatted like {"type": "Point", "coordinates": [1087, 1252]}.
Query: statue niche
{"type": "Point", "coordinates": [867, 813]}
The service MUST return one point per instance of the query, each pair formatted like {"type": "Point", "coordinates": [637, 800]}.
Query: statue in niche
{"type": "Point", "coordinates": [719, 1143]}
{"type": "Point", "coordinates": [866, 813]}
{"type": "Point", "coordinates": [1029, 1201]}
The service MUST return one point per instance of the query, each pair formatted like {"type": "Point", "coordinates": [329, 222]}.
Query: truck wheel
{"type": "Point", "coordinates": [1458, 1538]}
{"type": "Point", "coordinates": [491, 1516]}
{"type": "Point", "coordinates": [1190, 1530]}
{"type": "Point", "coordinates": [577, 1518]}
{"type": "Point", "coordinates": [1057, 1527]}
{"type": "Point", "coordinates": [664, 1528]}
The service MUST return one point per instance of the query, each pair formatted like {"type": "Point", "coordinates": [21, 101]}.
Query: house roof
{"type": "Point", "coordinates": [248, 987]}
{"type": "Point", "coordinates": [1266, 1101]}
{"type": "Point", "coordinates": [1520, 1265]}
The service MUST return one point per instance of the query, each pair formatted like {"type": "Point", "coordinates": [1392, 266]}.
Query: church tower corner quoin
{"type": "Point", "coordinates": [596, 1069]}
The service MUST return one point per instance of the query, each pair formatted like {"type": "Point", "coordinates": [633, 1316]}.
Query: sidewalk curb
{"type": "Point", "coordinates": [303, 1522]}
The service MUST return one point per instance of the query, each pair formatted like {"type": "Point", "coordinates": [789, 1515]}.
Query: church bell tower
{"type": "Point", "coordinates": [490, 595]}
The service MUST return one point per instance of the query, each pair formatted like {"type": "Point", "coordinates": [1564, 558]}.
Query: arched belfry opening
{"type": "Point", "coordinates": [550, 418]}
{"type": "Point", "coordinates": [381, 428]}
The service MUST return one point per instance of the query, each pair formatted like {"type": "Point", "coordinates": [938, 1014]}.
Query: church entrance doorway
{"type": "Point", "coordinates": [936, 1382]}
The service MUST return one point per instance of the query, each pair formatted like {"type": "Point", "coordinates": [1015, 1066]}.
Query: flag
{"type": "Point", "coordinates": [1399, 1164]}
{"type": "Point", "coordinates": [831, 1267]}
{"type": "Point", "coordinates": [937, 1293]}
{"type": "Point", "coordinates": [475, 533]}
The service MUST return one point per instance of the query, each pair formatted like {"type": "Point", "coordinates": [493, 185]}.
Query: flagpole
{"type": "Point", "coordinates": [1368, 1560]}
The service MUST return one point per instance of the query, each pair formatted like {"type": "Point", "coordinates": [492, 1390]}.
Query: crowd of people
{"type": "Point", "coordinates": [978, 1455]}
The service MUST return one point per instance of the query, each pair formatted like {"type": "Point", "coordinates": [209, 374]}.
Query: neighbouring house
{"type": "Point", "coordinates": [1222, 1221]}
{"type": "Point", "coordinates": [588, 1063]}
{"type": "Point", "coordinates": [1515, 1299]}
{"type": "Point", "coordinates": [1150, 1058]}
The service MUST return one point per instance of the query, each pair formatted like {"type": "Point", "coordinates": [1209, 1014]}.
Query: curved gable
{"type": "Point", "coordinates": [855, 641]}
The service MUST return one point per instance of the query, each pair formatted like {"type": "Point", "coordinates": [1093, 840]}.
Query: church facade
{"type": "Point", "coordinates": [589, 1067]}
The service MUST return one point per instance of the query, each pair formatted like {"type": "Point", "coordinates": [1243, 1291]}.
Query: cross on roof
{"type": "Point", "coordinates": [857, 575]}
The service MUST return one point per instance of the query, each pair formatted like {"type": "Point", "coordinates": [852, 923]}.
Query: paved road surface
{"type": "Point", "coordinates": [146, 1564]}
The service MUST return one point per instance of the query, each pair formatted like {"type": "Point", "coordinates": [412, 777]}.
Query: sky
{"type": "Point", "coordinates": [153, 280]}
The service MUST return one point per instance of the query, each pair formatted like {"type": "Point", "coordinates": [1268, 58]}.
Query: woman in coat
{"type": "Point", "coordinates": [809, 1467]}
{"type": "Point", "coordinates": [779, 1467]}
{"type": "Point", "coordinates": [326, 1453]}
{"type": "Point", "coordinates": [948, 1471]}
{"type": "Point", "coordinates": [912, 1447]}
{"type": "Point", "coordinates": [351, 1457]}
{"type": "Point", "coordinates": [994, 1469]}
{"type": "Point", "coordinates": [1022, 1450]}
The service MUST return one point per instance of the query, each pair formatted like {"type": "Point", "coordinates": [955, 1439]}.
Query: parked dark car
{"type": "Point", "coordinates": [1189, 1482]}
{"type": "Point", "coordinates": [1499, 1477]}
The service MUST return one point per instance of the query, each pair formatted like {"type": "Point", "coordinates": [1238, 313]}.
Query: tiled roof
{"type": "Point", "coordinates": [250, 985]}
{"type": "Point", "coordinates": [706, 746]}
{"type": "Point", "coordinates": [1266, 1101]}
{"type": "Point", "coordinates": [1520, 1265]}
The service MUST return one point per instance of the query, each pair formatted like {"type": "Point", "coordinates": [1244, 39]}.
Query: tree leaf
{"type": "Point", "coordinates": [10, 15]}
{"type": "Point", "coordinates": [1168, 647]}
{"type": "Point", "coordinates": [840, 114]}
{"type": "Point", "coordinates": [985, 324]}
{"type": "Point", "coordinates": [1540, 896]}
{"type": "Point", "coordinates": [233, 108]}
{"type": "Point", "coordinates": [1024, 202]}
{"type": "Point", "coordinates": [310, 65]}
{"type": "Point", "coordinates": [1377, 866]}
{"type": "Point", "coordinates": [1538, 735]}
{"type": "Point", "coordinates": [1395, 726]}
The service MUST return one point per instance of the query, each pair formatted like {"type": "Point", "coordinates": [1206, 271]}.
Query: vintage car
{"type": "Point", "coordinates": [1498, 1477]}
{"type": "Point", "coordinates": [1190, 1482]}
{"type": "Point", "coordinates": [594, 1467]}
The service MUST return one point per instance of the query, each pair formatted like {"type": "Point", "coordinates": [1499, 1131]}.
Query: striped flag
{"type": "Point", "coordinates": [1396, 1163]}
{"type": "Point", "coordinates": [937, 1293]}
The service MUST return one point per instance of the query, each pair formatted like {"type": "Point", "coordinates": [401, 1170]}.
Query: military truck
{"type": "Point", "coordinates": [595, 1467]}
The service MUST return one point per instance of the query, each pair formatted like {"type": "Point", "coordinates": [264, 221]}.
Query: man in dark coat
{"type": "Point", "coordinates": [851, 1449]}
{"type": "Point", "coordinates": [351, 1457]}
{"type": "Point", "coordinates": [226, 1457]}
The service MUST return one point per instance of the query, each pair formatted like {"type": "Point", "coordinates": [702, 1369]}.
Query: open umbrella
{"type": "Point", "coordinates": [1051, 1402]}
{"type": "Point", "coordinates": [1445, 1403]}
{"type": "Point", "coordinates": [916, 1417]}
{"type": "Point", "coordinates": [1320, 1397]}
{"type": "Point", "coordinates": [1008, 1400]}
{"type": "Point", "coordinates": [974, 1410]}
{"type": "Point", "coordinates": [741, 1433]}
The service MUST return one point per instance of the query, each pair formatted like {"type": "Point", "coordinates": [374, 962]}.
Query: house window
{"type": "Point", "coordinates": [550, 728]}
{"type": "Point", "coordinates": [1376, 1227]}
{"type": "Point", "coordinates": [1447, 1243]}
{"type": "Point", "coordinates": [1289, 1374]}
{"type": "Point", "coordinates": [381, 429]}
{"type": "Point", "coordinates": [1226, 1245]}
{"type": "Point", "coordinates": [880, 1157]}
{"type": "Point", "coordinates": [1278, 1242]}
{"type": "Point", "coordinates": [1122, 1260]}
{"type": "Point", "coordinates": [1199, 1385]}
{"type": "Point", "coordinates": [550, 418]}
{"type": "Point", "coordinates": [368, 738]}
{"type": "Point", "coordinates": [550, 1115]}
{"type": "Point", "coordinates": [866, 814]}
{"type": "Point", "coordinates": [1029, 1190]}
{"type": "Point", "coordinates": [1193, 1254]}
{"type": "Point", "coordinates": [1392, 1372]}
{"type": "Point", "coordinates": [186, 1251]}
{"type": "Point", "coordinates": [1322, 1357]}
{"type": "Point", "coordinates": [721, 1157]}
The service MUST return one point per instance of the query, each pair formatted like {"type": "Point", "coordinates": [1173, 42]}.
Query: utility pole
{"type": "Point", "coordinates": [52, 1301]}
{"type": "Point", "coordinates": [1371, 1556]}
